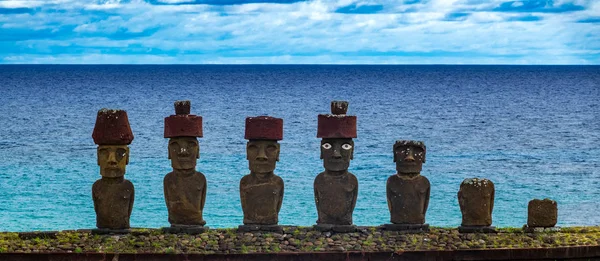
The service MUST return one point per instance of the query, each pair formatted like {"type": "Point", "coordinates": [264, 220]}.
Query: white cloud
{"type": "Point", "coordinates": [302, 32]}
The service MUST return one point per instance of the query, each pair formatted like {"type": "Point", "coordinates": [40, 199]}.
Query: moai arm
{"type": "Point", "coordinates": [461, 202]}
{"type": "Point", "coordinates": [203, 198]}
{"type": "Point", "coordinates": [131, 201]}
{"type": "Point", "coordinates": [317, 199]}
{"type": "Point", "coordinates": [280, 197]}
{"type": "Point", "coordinates": [426, 205]}
{"type": "Point", "coordinates": [166, 191]}
{"type": "Point", "coordinates": [94, 198]}
{"type": "Point", "coordinates": [388, 194]}
{"type": "Point", "coordinates": [354, 195]}
{"type": "Point", "coordinates": [242, 195]}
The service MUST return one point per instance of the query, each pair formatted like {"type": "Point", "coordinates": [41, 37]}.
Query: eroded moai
{"type": "Point", "coordinates": [184, 187]}
{"type": "Point", "coordinates": [408, 191]}
{"type": "Point", "coordinates": [113, 195]}
{"type": "Point", "coordinates": [261, 191]}
{"type": "Point", "coordinates": [541, 213]}
{"type": "Point", "coordinates": [476, 200]}
{"type": "Point", "coordinates": [336, 189]}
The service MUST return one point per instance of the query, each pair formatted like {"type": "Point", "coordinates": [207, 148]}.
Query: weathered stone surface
{"type": "Point", "coordinates": [408, 191]}
{"type": "Point", "coordinates": [542, 213]}
{"type": "Point", "coordinates": [184, 187]}
{"type": "Point", "coordinates": [476, 200]}
{"type": "Point", "coordinates": [336, 189]}
{"type": "Point", "coordinates": [112, 128]}
{"type": "Point", "coordinates": [411, 228]}
{"type": "Point", "coordinates": [261, 191]}
{"type": "Point", "coordinates": [183, 124]}
{"type": "Point", "coordinates": [113, 202]}
{"type": "Point", "coordinates": [113, 195]}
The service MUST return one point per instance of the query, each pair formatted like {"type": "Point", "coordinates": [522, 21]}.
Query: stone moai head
{"type": "Point", "coordinates": [476, 200]}
{"type": "Point", "coordinates": [409, 156]}
{"type": "Point", "coordinates": [542, 213]}
{"type": "Point", "coordinates": [337, 131]}
{"type": "Point", "coordinates": [182, 129]}
{"type": "Point", "coordinates": [262, 149]}
{"type": "Point", "coordinates": [112, 133]}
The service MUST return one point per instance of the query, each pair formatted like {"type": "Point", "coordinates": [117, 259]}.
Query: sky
{"type": "Point", "coordinates": [300, 32]}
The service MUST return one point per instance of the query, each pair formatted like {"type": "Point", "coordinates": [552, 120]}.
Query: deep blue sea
{"type": "Point", "coordinates": [533, 130]}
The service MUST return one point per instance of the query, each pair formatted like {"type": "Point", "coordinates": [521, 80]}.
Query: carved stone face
{"type": "Point", "coordinates": [409, 159]}
{"type": "Point", "coordinates": [337, 153]}
{"type": "Point", "coordinates": [112, 160]}
{"type": "Point", "coordinates": [262, 155]}
{"type": "Point", "coordinates": [183, 152]}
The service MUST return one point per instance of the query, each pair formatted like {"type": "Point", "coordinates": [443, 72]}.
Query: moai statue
{"type": "Point", "coordinates": [261, 191]}
{"type": "Point", "coordinates": [336, 189]}
{"type": "Point", "coordinates": [112, 194]}
{"type": "Point", "coordinates": [542, 215]}
{"type": "Point", "coordinates": [408, 191]}
{"type": "Point", "coordinates": [184, 187]}
{"type": "Point", "coordinates": [476, 200]}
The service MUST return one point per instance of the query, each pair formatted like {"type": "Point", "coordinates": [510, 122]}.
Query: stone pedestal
{"type": "Point", "coordinates": [410, 228]}
{"type": "Point", "coordinates": [262, 228]}
{"type": "Point", "coordinates": [335, 228]}
{"type": "Point", "coordinates": [185, 229]}
{"type": "Point", "coordinates": [105, 231]}
{"type": "Point", "coordinates": [477, 229]}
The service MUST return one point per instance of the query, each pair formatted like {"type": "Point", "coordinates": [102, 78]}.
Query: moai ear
{"type": "Point", "coordinates": [127, 157]}
{"type": "Point", "coordinates": [198, 150]}
{"type": "Point", "coordinates": [278, 151]}
{"type": "Point", "coordinates": [424, 155]}
{"type": "Point", "coordinates": [352, 151]}
{"type": "Point", "coordinates": [247, 146]}
{"type": "Point", "coordinates": [98, 156]}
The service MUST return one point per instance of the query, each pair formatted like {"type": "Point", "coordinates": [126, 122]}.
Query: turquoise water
{"type": "Point", "coordinates": [533, 130]}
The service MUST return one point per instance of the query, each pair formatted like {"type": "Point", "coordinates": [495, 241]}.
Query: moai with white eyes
{"type": "Point", "coordinates": [184, 187]}
{"type": "Point", "coordinates": [408, 191]}
{"type": "Point", "coordinates": [476, 200]}
{"type": "Point", "coordinates": [113, 195]}
{"type": "Point", "coordinates": [261, 191]}
{"type": "Point", "coordinates": [336, 189]}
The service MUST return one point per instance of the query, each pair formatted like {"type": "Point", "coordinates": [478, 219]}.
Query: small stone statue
{"type": "Point", "coordinates": [476, 200]}
{"type": "Point", "coordinates": [112, 194]}
{"type": "Point", "coordinates": [261, 191]}
{"type": "Point", "coordinates": [184, 187]}
{"type": "Point", "coordinates": [408, 191]}
{"type": "Point", "coordinates": [336, 189]}
{"type": "Point", "coordinates": [541, 214]}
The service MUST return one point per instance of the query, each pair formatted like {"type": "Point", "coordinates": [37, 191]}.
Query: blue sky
{"type": "Point", "coordinates": [305, 32]}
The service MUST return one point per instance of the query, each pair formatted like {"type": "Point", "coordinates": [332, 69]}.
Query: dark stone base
{"type": "Point", "coordinates": [38, 234]}
{"type": "Point", "coordinates": [256, 228]}
{"type": "Point", "coordinates": [185, 229]}
{"type": "Point", "coordinates": [106, 231]}
{"type": "Point", "coordinates": [411, 228]}
{"type": "Point", "coordinates": [335, 228]}
{"type": "Point", "coordinates": [477, 229]}
{"type": "Point", "coordinates": [528, 229]}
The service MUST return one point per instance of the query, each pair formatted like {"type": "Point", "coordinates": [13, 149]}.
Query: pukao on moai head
{"type": "Point", "coordinates": [336, 189]}
{"type": "Point", "coordinates": [408, 191]}
{"type": "Point", "coordinates": [476, 200]}
{"type": "Point", "coordinates": [184, 187]}
{"type": "Point", "coordinates": [113, 195]}
{"type": "Point", "coordinates": [261, 191]}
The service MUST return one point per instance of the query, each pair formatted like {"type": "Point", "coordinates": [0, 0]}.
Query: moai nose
{"type": "Point", "coordinates": [409, 157]}
{"type": "Point", "coordinates": [112, 159]}
{"type": "Point", "coordinates": [184, 152]}
{"type": "Point", "coordinates": [337, 154]}
{"type": "Point", "coordinates": [262, 156]}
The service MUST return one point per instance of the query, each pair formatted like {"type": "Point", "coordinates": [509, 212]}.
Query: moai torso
{"type": "Point", "coordinates": [408, 199]}
{"type": "Point", "coordinates": [335, 197]}
{"type": "Point", "coordinates": [476, 200]}
{"type": "Point", "coordinates": [185, 196]}
{"type": "Point", "coordinates": [113, 202]}
{"type": "Point", "coordinates": [261, 199]}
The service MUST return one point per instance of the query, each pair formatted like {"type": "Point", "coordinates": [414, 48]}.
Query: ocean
{"type": "Point", "coordinates": [533, 130]}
